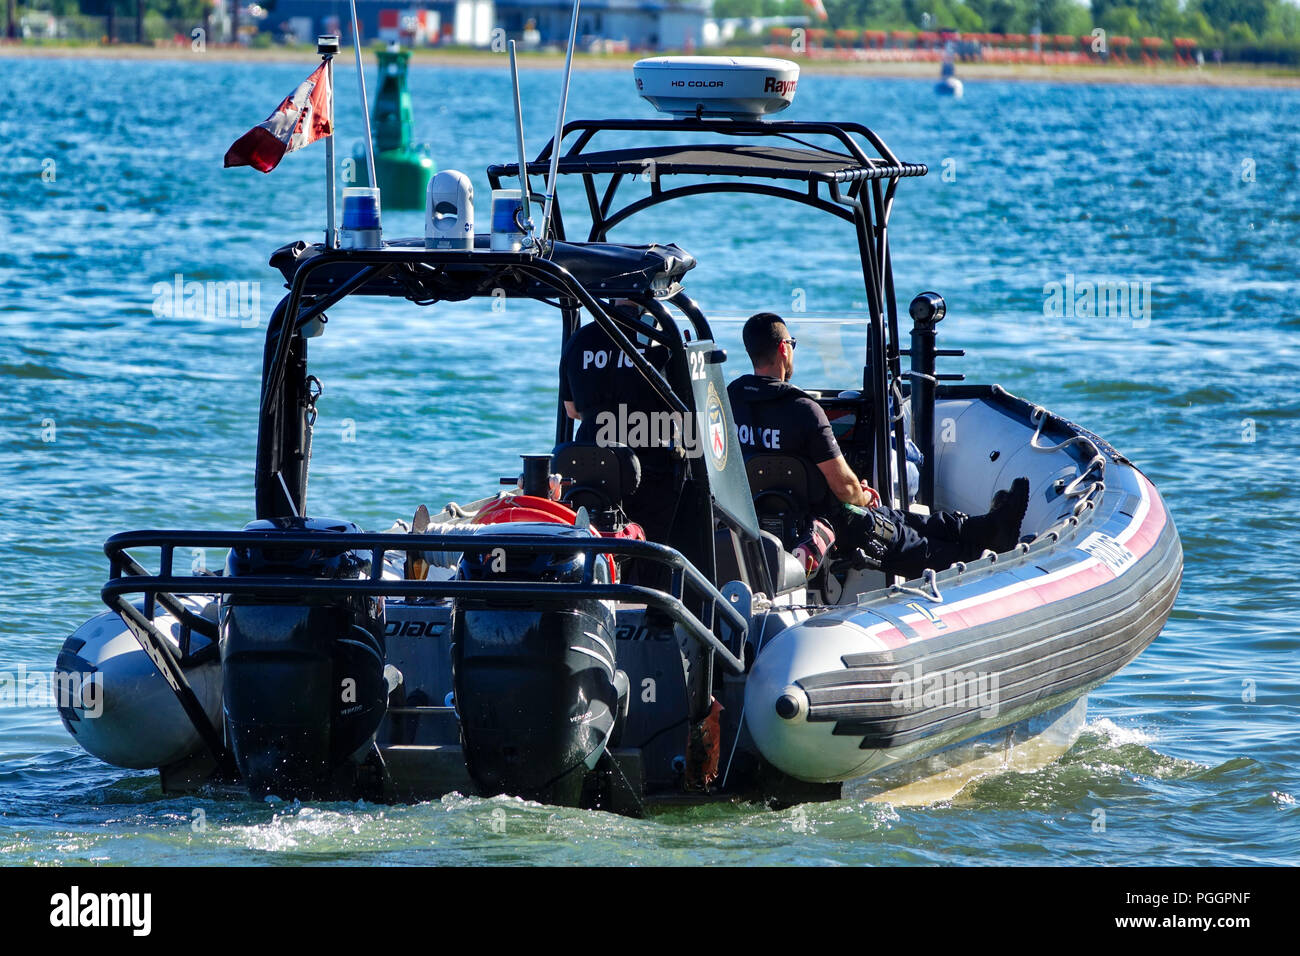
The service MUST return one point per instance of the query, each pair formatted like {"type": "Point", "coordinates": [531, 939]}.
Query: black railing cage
{"type": "Point", "coordinates": [716, 613]}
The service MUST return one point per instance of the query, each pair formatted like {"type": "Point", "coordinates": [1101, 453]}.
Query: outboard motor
{"type": "Point", "coordinates": [536, 685]}
{"type": "Point", "coordinates": [303, 674]}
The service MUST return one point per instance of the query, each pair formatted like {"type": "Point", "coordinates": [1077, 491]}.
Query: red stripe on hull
{"type": "Point", "coordinates": [999, 605]}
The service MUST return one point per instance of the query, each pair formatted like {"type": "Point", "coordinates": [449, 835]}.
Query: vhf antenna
{"type": "Point", "coordinates": [365, 106]}
{"type": "Point", "coordinates": [527, 220]}
{"type": "Point", "coordinates": [559, 126]}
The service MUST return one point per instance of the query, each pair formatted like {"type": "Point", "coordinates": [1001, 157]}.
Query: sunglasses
{"type": "Point", "coordinates": [791, 342]}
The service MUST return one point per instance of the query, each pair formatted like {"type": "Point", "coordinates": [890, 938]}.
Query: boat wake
{"type": "Point", "coordinates": [1107, 762]}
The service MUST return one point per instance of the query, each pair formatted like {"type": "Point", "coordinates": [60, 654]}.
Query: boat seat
{"type": "Point", "coordinates": [599, 478]}
{"type": "Point", "coordinates": [787, 492]}
{"type": "Point", "coordinates": [785, 570]}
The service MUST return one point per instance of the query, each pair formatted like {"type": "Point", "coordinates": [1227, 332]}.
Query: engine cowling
{"type": "Point", "coordinates": [303, 676]}
{"type": "Point", "coordinates": [536, 683]}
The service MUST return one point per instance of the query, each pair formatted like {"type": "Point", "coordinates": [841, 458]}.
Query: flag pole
{"type": "Point", "coordinates": [327, 47]}
{"type": "Point", "coordinates": [365, 105]}
{"type": "Point", "coordinates": [559, 126]}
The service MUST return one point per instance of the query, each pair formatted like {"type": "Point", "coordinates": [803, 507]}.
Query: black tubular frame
{"type": "Point", "coordinates": [169, 664]}
{"type": "Point", "coordinates": [273, 446]}
{"type": "Point", "coordinates": [127, 576]}
{"type": "Point", "coordinates": [848, 199]}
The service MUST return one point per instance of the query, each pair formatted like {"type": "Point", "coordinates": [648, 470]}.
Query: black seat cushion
{"type": "Point", "coordinates": [602, 477]}
{"type": "Point", "coordinates": [788, 492]}
{"type": "Point", "coordinates": [791, 475]}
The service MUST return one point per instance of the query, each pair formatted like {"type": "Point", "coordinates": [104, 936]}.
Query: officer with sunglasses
{"type": "Point", "coordinates": [774, 416]}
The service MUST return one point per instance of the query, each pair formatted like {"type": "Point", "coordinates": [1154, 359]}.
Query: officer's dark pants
{"type": "Point", "coordinates": [920, 541]}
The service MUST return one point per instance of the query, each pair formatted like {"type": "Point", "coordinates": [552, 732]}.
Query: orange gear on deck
{"type": "Point", "coordinates": [525, 508]}
{"type": "Point", "coordinates": [530, 508]}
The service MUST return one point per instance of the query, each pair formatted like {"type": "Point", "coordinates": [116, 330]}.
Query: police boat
{"type": "Point", "coordinates": [535, 642]}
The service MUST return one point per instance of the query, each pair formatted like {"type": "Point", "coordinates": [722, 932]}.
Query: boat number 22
{"type": "Point", "coordinates": [696, 362]}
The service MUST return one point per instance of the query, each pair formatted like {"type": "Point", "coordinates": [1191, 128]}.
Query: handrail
{"type": "Point", "coordinates": [1039, 416]}
{"type": "Point", "coordinates": [166, 583]}
{"type": "Point", "coordinates": [174, 607]}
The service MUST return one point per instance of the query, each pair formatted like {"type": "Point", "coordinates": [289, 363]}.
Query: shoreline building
{"type": "Point", "coordinates": [613, 24]}
{"type": "Point", "coordinates": [419, 23]}
{"type": "Point", "coordinates": [608, 25]}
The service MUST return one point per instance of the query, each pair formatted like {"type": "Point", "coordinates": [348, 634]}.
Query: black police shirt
{"type": "Point", "coordinates": [775, 416]}
{"type": "Point", "coordinates": [597, 377]}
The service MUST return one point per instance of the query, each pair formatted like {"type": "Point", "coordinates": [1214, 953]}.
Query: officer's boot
{"type": "Point", "coordinates": [870, 531]}
{"type": "Point", "coordinates": [999, 529]}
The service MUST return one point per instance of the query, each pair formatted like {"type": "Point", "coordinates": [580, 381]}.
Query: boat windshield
{"type": "Point", "coordinates": [828, 356]}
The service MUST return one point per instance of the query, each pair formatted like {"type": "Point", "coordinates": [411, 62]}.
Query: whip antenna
{"type": "Point", "coordinates": [559, 124]}
{"type": "Point", "coordinates": [365, 105]}
{"type": "Point", "coordinates": [519, 138]}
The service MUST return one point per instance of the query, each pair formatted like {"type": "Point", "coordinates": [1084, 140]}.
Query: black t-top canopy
{"type": "Point", "coordinates": [604, 269]}
{"type": "Point", "coordinates": [761, 160]}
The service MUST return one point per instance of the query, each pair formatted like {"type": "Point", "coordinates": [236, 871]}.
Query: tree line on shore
{"type": "Point", "coordinates": [153, 19]}
{"type": "Point", "coordinates": [1212, 23]}
{"type": "Point", "coordinates": [1262, 30]}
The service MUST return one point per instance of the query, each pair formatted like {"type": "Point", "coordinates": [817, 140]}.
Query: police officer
{"type": "Point", "coordinates": [596, 377]}
{"type": "Point", "coordinates": [600, 388]}
{"type": "Point", "coordinates": [774, 416]}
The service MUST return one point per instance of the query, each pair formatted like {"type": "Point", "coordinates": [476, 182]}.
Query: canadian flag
{"type": "Point", "coordinates": [305, 116]}
{"type": "Point", "coordinates": [816, 7]}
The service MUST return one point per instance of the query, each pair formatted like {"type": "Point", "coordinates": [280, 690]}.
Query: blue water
{"type": "Point", "coordinates": [116, 415]}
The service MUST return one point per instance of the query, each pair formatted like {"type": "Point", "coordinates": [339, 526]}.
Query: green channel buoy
{"type": "Point", "coordinates": [403, 169]}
